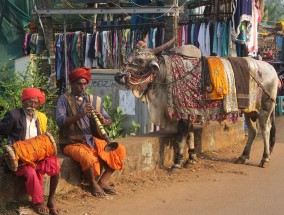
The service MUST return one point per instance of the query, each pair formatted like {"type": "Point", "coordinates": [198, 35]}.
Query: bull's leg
{"type": "Point", "coordinates": [179, 155]}
{"type": "Point", "coordinates": [182, 133]}
{"type": "Point", "coordinates": [265, 126]}
{"type": "Point", "coordinates": [251, 137]}
{"type": "Point", "coordinates": [192, 157]}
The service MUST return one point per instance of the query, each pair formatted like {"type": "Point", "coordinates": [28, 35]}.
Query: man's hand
{"type": "Point", "coordinates": [87, 109]}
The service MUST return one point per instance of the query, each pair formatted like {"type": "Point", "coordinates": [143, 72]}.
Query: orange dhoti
{"type": "Point", "coordinates": [87, 156]}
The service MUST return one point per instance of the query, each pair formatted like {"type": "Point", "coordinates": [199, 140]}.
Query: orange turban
{"type": "Point", "coordinates": [29, 93]}
{"type": "Point", "coordinates": [83, 72]}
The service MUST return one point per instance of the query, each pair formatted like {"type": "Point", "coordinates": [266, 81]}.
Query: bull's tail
{"type": "Point", "coordinates": [272, 136]}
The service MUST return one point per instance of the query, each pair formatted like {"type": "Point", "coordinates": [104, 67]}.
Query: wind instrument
{"type": "Point", "coordinates": [111, 145]}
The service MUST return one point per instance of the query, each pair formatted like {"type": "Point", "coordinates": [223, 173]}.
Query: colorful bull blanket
{"type": "Point", "coordinates": [187, 98]}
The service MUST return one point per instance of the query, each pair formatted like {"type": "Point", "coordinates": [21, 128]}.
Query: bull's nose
{"type": "Point", "coordinates": [120, 78]}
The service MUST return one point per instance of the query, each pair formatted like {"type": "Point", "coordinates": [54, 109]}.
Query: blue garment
{"type": "Point", "coordinates": [196, 31]}
{"type": "Point", "coordinates": [219, 36]}
{"type": "Point", "coordinates": [151, 33]}
{"type": "Point", "coordinates": [59, 54]}
{"type": "Point", "coordinates": [92, 52]}
{"type": "Point", "coordinates": [74, 54]}
{"type": "Point", "coordinates": [243, 7]}
{"type": "Point", "coordinates": [192, 34]}
{"type": "Point", "coordinates": [214, 48]}
{"type": "Point", "coordinates": [224, 40]}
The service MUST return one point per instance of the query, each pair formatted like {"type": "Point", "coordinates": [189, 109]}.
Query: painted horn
{"type": "Point", "coordinates": [162, 47]}
{"type": "Point", "coordinates": [154, 65]}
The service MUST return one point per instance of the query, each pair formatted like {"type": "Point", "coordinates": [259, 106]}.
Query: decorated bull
{"type": "Point", "coordinates": [182, 88]}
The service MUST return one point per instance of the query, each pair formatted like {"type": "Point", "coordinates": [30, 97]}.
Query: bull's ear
{"type": "Point", "coordinates": [139, 94]}
{"type": "Point", "coordinates": [163, 47]}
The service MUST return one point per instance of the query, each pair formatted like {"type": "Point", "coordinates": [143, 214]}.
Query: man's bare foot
{"type": "Point", "coordinates": [52, 208]}
{"type": "Point", "coordinates": [108, 189]}
{"type": "Point", "coordinates": [41, 208]}
{"type": "Point", "coordinates": [97, 191]}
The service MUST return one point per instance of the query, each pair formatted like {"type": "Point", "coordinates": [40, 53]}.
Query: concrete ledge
{"type": "Point", "coordinates": [70, 174]}
{"type": "Point", "coordinates": [144, 153]}
{"type": "Point", "coordinates": [217, 136]}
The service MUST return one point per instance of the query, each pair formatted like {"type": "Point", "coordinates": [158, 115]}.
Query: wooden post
{"type": "Point", "coordinates": [171, 20]}
{"type": "Point", "coordinates": [47, 33]}
{"type": "Point", "coordinates": [95, 18]}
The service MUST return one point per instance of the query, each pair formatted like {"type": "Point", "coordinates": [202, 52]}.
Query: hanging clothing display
{"type": "Point", "coordinates": [33, 44]}
{"type": "Point", "coordinates": [212, 38]}
{"type": "Point", "coordinates": [106, 49]}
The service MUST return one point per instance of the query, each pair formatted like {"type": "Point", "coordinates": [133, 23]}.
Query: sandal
{"type": "Point", "coordinates": [98, 194]}
{"type": "Point", "coordinates": [54, 211]}
{"type": "Point", "coordinates": [41, 209]}
{"type": "Point", "coordinates": [110, 191]}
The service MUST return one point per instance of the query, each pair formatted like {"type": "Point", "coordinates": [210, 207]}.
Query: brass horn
{"type": "Point", "coordinates": [111, 145]}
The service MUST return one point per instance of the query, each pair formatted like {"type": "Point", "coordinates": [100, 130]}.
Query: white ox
{"type": "Point", "coordinates": [145, 73]}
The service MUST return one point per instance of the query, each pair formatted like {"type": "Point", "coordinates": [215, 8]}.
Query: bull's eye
{"type": "Point", "coordinates": [139, 61]}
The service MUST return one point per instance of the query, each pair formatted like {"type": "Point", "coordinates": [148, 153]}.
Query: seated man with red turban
{"type": "Point", "coordinates": [23, 124]}
{"type": "Point", "coordinates": [76, 136]}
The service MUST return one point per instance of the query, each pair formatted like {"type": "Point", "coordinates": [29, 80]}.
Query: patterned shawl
{"type": "Point", "coordinates": [241, 73]}
{"type": "Point", "coordinates": [185, 95]}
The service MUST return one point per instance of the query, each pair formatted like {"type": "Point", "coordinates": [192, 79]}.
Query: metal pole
{"type": "Point", "coordinates": [65, 56]}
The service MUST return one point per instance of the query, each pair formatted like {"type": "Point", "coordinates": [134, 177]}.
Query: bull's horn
{"type": "Point", "coordinates": [162, 47]}
{"type": "Point", "coordinates": [154, 64]}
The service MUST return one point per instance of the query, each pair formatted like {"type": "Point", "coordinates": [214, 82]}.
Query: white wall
{"type": "Point", "coordinates": [21, 63]}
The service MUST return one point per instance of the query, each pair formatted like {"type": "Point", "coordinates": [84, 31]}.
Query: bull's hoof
{"type": "Point", "coordinates": [176, 168]}
{"type": "Point", "coordinates": [189, 163]}
{"type": "Point", "coordinates": [240, 160]}
{"type": "Point", "coordinates": [264, 164]}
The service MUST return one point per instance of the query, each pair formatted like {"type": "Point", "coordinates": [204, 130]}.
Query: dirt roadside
{"type": "Point", "coordinates": [80, 201]}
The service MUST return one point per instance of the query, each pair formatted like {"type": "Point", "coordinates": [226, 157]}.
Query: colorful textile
{"type": "Point", "coordinates": [42, 121]}
{"type": "Point", "coordinates": [34, 177]}
{"type": "Point", "coordinates": [29, 93]}
{"type": "Point", "coordinates": [185, 97]}
{"type": "Point", "coordinates": [88, 156]}
{"type": "Point", "coordinates": [254, 90]}
{"type": "Point", "coordinates": [230, 100]}
{"type": "Point", "coordinates": [83, 72]}
{"type": "Point", "coordinates": [34, 149]}
{"type": "Point", "coordinates": [241, 73]}
{"type": "Point", "coordinates": [218, 78]}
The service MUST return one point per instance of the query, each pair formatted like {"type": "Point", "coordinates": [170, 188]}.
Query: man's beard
{"type": "Point", "coordinates": [30, 111]}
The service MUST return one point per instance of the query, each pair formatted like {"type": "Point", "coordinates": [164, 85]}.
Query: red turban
{"type": "Point", "coordinates": [29, 93]}
{"type": "Point", "coordinates": [83, 72]}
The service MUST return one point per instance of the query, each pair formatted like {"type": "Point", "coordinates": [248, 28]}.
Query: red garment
{"type": "Point", "coordinates": [83, 72]}
{"type": "Point", "coordinates": [29, 93]}
{"type": "Point", "coordinates": [34, 177]}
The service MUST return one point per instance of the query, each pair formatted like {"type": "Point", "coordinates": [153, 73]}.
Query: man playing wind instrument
{"type": "Point", "coordinates": [76, 137]}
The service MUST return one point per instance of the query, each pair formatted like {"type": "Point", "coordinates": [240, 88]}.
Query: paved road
{"type": "Point", "coordinates": [254, 191]}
